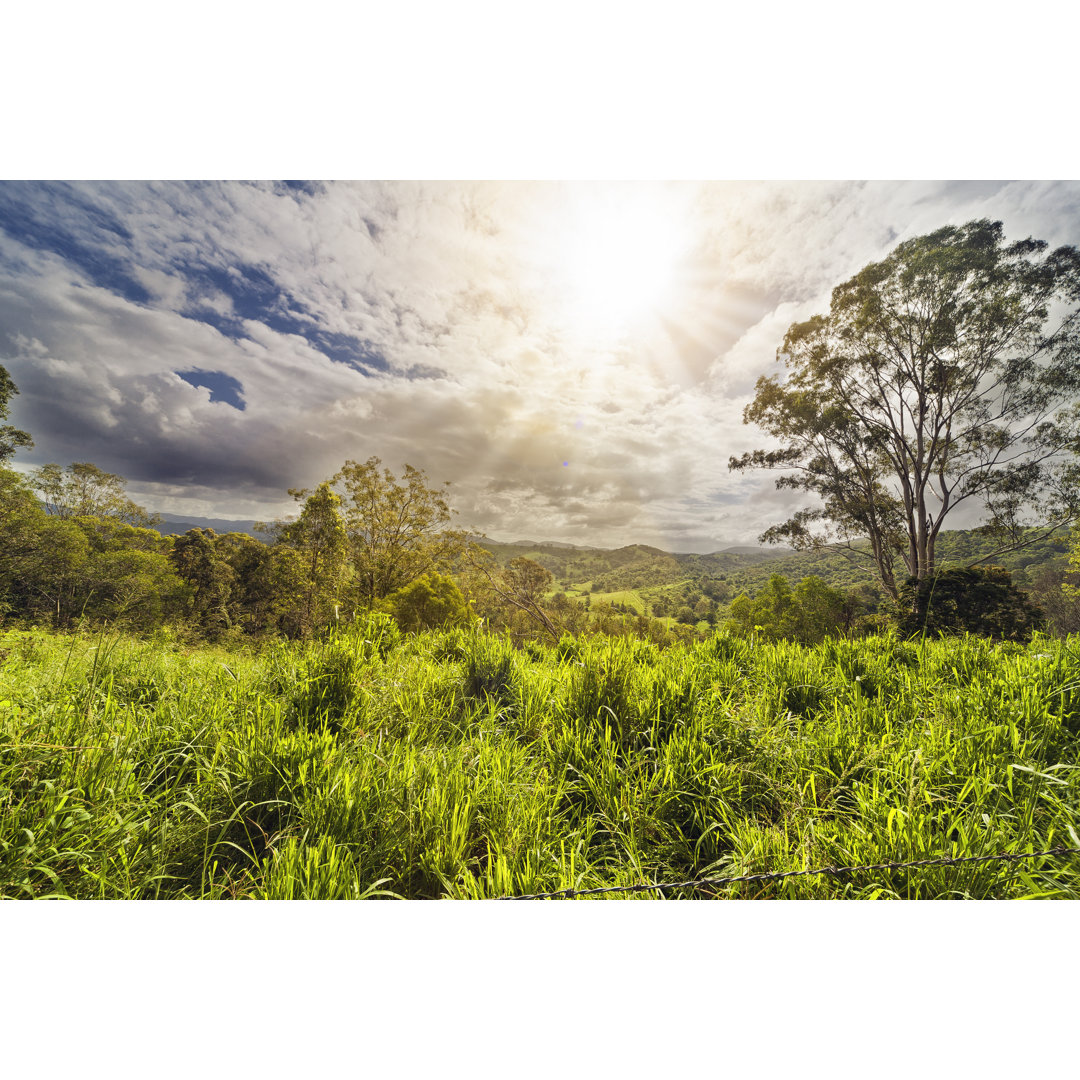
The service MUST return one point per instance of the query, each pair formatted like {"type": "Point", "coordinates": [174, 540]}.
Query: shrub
{"type": "Point", "coordinates": [327, 690]}
{"type": "Point", "coordinates": [428, 603]}
{"type": "Point", "coordinates": [974, 600]}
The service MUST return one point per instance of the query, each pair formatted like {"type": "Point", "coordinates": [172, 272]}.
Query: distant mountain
{"type": "Point", "coordinates": [548, 544]}
{"type": "Point", "coordinates": [758, 551]}
{"type": "Point", "coordinates": [747, 568]}
{"type": "Point", "coordinates": [173, 526]}
{"type": "Point", "coordinates": [538, 545]}
{"type": "Point", "coordinates": [633, 566]}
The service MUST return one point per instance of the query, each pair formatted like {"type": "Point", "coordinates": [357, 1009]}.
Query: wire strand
{"type": "Point", "coordinates": [570, 894]}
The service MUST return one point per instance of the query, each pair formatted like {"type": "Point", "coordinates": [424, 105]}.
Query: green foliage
{"type": "Point", "coordinates": [126, 577]}
{"type": "Point", "coordinates": [38, 555]}
{"type": "Point", "coordinates": [266, 587]}
{"type": "Point", "coordinates": [945, 374]}
{"type": "Point", "coordinates": [1054, 590]}
{"type": "Point", "coordinates": [971, 600]}
{"type": "Point", "coordinates": [376, 632]}
{"type": "Point", "coordinates": [659, 585]}
{"type": "Point", "coordinates": [514, 597]}
{"type": "Point", "coordinates": [327, 687]}
{"type": "Point", "coordinates": [62, 567]}
{"type": "Point", "coordinates": [808, 614]}
{"type": "Point", "coordinates": [58, 570]}
{"type": "Point", "coordinates": [319, 575]}
{"type": "Point", "coordinates": [490, 671]}
{"type": "Point", "coordinates": [450, 764]}
{"type": "Point", "coordinates": [202, 564]}
{"type": "Point", "coordinates": [397, 529]}
{"type": "Point", "coordinates": [430, 602]}
{"type": "Point", "coordinates": [84, 490]}
{"type": "Point", "coordinates": [11, 438]}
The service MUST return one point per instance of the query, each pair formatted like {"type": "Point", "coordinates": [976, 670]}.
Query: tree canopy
{"type": "Point", "coordinates": [84, 490]}
{"type": "Point", "coordinates": [944, 375]}
{"type": "Point", "coordinates": [432, 600]}
{"type": "Point", "coordinates": [11, 438]}
{"type": "Point", "coordinates": [319, 535]}
{"type": "Point", "coordinates": [808, 613]}
{"type": "Point", "coordinates": [397, 529]}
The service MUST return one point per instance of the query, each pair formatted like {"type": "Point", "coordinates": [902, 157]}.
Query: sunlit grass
{"type": "Point", "coordinates": [630, 598]}
{"type": "Point", "coordinates": [454, 765]}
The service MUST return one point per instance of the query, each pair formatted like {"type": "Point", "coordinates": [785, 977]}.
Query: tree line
{"type": "Point", "coordinates": [944, 376]}
{"type": "Point", "coordinates": [75, 549]}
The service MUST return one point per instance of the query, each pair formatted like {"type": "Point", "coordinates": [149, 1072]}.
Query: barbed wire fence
{"type": "Point", "coordinates": [834, 871]}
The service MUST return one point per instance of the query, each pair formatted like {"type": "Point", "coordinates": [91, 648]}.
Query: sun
{"type": "Point", "coordinates": [614, 254]}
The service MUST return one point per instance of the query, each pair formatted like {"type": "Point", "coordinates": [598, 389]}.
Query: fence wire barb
{"type": "Point", "coordinates": [570, 894]}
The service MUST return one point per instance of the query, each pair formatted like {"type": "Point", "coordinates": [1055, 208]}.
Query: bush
{"type": "Point", "coordinates": [327, 690]}
{"type": "Point", "coordinates": [808, 614]}
{"type": "Point", "coordinates": [974, 600]}
{"type": "Point", "coordinates": [429, 603]}
{"type": "Point", "coordinates": [378, 633]}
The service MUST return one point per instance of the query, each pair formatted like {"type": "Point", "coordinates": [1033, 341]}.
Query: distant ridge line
{"type": "Point", "coordinates": [176, 526]}
{"type": "Point", "coordinates": [771, 550]}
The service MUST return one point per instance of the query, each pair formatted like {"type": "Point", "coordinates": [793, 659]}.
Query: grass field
{"type": "Point", "coordinates": [452, 765]}
{"type": "Point", "coordinates": [631, 598]}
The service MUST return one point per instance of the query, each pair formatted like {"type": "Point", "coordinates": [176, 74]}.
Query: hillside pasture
{"type": "Point", "coordinates": [630, 598]}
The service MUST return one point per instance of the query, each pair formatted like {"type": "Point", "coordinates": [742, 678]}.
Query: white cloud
{"type": "Point", "coordinates": [451, 282]}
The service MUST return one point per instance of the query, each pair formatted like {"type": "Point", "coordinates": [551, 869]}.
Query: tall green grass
{"type": "Point", "coordinates": [451, 764]}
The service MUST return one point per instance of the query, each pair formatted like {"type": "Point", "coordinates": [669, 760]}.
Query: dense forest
{"type": "Point", "coordinates": [75, 551]}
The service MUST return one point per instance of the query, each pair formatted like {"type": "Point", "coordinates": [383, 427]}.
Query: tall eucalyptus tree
{"type": "Point", "coordinates": [946, 374]}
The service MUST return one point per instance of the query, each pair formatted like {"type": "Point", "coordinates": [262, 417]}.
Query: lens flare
{"type": "Point", "coordinates": [611, 257]}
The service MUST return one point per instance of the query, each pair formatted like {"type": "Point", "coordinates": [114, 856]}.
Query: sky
{"type": "Point", "coordinates": [574, 357]}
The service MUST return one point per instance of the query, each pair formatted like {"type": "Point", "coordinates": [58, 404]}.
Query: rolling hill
{"type": "Point", "coordinates": [648, 580]}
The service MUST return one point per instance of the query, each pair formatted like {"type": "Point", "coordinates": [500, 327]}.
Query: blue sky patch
{"type": "Point", "coordinates": [346, 349]}
{"type": "Point", "coordinates": [222, 387]}
{"type": "Point", "coordinates": [300, 187]}
{"type": "Point", "coordinates": [61, 219]}
{"type": "Point", "coordinates": [256, 297]}
{"type": "Point", "coordinates": [253, 293]}
{"type": "Point", "coordinates": [29, 214]}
